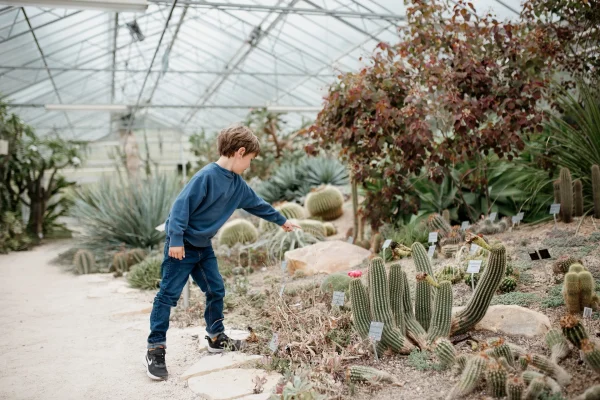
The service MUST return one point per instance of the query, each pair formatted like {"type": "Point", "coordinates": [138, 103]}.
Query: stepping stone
{"type": "Point", "coordinates": [218, 362]}
{"type": "Point", "coordinates": [232, 384]}
{"type": "Point", "coordinates": [235, 334]}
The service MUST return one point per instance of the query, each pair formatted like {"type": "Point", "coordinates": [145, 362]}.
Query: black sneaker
{"type": "Point", "coordinates": [223, 342]}
{"type": "Point", "coordinates": [156, 367]}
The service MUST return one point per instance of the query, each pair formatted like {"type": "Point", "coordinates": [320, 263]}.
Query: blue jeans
{"type": "Point", "coordinates": [201, 264]}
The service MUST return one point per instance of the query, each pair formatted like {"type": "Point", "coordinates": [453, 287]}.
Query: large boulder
{"type": "Point", "coordinates": [326, 257]}
{"type": "Point", "coordinates": [513, 320]}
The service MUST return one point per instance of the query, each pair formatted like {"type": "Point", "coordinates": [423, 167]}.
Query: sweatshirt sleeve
{"type": "Point", "coordinates": [187, 201]}
{"type": "Point", "coordinates": [257, 206]}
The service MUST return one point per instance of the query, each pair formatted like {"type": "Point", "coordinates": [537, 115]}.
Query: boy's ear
{"type": "Point", "coordinates": [241, 151]}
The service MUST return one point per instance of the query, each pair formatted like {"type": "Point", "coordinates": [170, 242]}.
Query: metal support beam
{"type": "Point", "coordinates": [31, 29]}
{"type": "Point", "coordinates": [114, 57]}
{"type": "Point", "coordinates": [160, 106]}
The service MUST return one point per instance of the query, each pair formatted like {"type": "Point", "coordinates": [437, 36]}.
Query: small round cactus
{"type": "Point", "coordinates": [313, 227]}
{"type": "Point", "coordinates": [330, 229]}
{"type": "Point", "coordinates": [561, 266]}
{"type": "Point", "coordinates": [84, 261]}
{"type": "Point", "coordinates": [336, 283]}
{"type": "Point", "coordinates": [238, 231]}
{"type": "Point", "coordinates": [325, 202]}
{"type": "Point", "coordinates": [509, 284]}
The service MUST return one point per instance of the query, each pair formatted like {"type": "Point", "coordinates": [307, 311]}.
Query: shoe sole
{"type": "Point", "coordinates": [213, 350]}
{"type": "Point", "coordinates": [154, 378]}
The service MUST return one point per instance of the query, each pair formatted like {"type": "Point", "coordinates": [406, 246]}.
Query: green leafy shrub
{"type": "Point", "coordinates": [13, 236]}
{"type": "Point", "coordinates": [516, 298]}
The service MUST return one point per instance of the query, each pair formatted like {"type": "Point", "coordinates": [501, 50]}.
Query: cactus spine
{"type": "Point", "coordinates": [514, 388]}
{"type": "Point", "coordinates": [396, 295]}
{"type": "Point", "coordinates": [577, 198]}
{"type": "Point", "coordinates": [557, 344]}
{"type": "Point", "coordinates": [535, 389]}
{"type": "Point", "coordinates": [566, 195]}
{"type": "Point", "coordinates": [469, 378]}
{"type": "Point", "coordinates": [549, 367]}
{"type": "Point", "coordinates": [84, 261]}
{"type": "Point", "coordinates": [596, 189]}
{"type": "Point", "coordinates": [496, 377]}
{"type": "Point", "coordinates": [442, 313]}
{"type": "Point", "coordinates": [424, 290]}
{"type": "Point", "coordinates": [445, 352]}
{"type": "Point", "coordinates": [486, 287]}
{"type": "Point", "coordinates": [591, 354]}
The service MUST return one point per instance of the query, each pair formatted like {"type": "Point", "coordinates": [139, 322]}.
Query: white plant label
{"type": "Point", "coordinates": [587, 312]}
{"type": "Point", "coordinates": [3, 147]}
{"type": "Point", "coordinates": [521, 215]}
{"type": "Point", "coordinates": [464, 226]}
{"type": "Point", "coordinates": [474, 248]}
{"type": "Point", "coordinates": [160, 228]}
{"type": "Point", "coordinates": [274, 343]}
{"type": "Point", "coordinates": [493, 216]}
{"type": "Point", "coordinates": [387, 244]}
{"type": "Point", "coordinates": [281, 290]}
{"type": "Point", "coordinates": [284, 265]}
{"type": "Point", "coordinates": [351, 240]}
{"type": "Point", "coordinates": [375, 330]}
{"type": "Point", "coordinates": [430, 251]}
{"type": "Point", "coordinates": [474, 266]}
{"type": "Point", "coordinates": [433, 236]}
{"type": "Point", "coordinates": [338, 299]}
{"type": "Point", "coordinates": [515, 219]}
{"type": "Point", "coordinates": [554, 208]}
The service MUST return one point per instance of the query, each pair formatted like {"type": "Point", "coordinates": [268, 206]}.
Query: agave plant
{"type": "Point", "coordinates": [121, 212]}
{"type": "Point", "coordinates": [325, 171]}
{"type": "Point", "coordinates": [280, 241]}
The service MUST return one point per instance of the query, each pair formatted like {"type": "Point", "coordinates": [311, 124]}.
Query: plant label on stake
{"type": "Point", "coordinates": [284, 266]}
{"type": "Point", "coordinates": [473, 268]}
{"type": "Point", "coordinates": [338, 299]}
{"type": "Point", "coordinates": [433, 237]}
{"type": "Point", "coordinates": [493, 216]}
{"type": "Point", "coordinates": [431, 251]}
{"type": "Point", "coordinates": [386, 245]}
{"type": "Point", "coordinates": [274, 343]}
{"type": "Point", "coordinates": [587, 312]}
{"type": "Point", "coordinates": [474, 248]}
{"type": "Point", "coordinates": [3, 147]}
{"type": "Point", "coordinates": [375, 331]}
{"type": "Point", "coordinates": [515, 220]}
{"type": "Point", "coordinates": [554, 209]}
{"type": "Point", "coordinates": [350, 240]}
{"type": "Point", "coordinates": [521, 215]}
{"type": "Point", "coordinates": [464, 225]}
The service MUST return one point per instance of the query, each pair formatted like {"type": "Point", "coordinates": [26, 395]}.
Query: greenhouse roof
{"type": "Point", "coordinates": [188, 66]}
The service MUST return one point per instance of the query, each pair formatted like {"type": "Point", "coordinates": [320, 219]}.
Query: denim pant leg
{"type": "Point", "coordinates": [175, 274]}
{"type": "Point", "coordinates": [206, 275]}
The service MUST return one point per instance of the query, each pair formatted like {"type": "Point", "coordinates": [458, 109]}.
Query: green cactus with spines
{"type": "Point", "coordinates": [571, 292]}
{"type": "Point", "coordinates": [445, 352]}
{"type": "Point", "coordinates": [556, 186]}
{"type": "Point", "coordinates": [313, 227]}
{"type": "Point", "coordinates": [361, 315]}
{"type": "Point", "coordinates": [330, 229]}
{"type": "Point", "coordinates": [84, 261]}
{"type": "Point", "coordinates": [362, 374]}
{"type": "Point", "coordinates": [461, 363]}
{"type": "Point", "coordinates": [450, 273]}
{"type": "Point", "coordinates": [596, 189]}
{"type": "Point", "coordinates": [292, 210]}
{"type": "Point", "coordinates": [591, 354]}
{"type": "Point", "coordinates": [449, 250]}
{"type": "Point", "coordinates": [549, 383]}
{"type": "Point", "coordinates": [237, 231]}
{"type": "Point", "coordinates": [424, 291]}
{"type": "Point", "coordinates": [502, 350]}
{"type": "Point", "coordinates": [120, 263]}
{"type": "Point", "coordinates": [556, 342]}
{"type": "Point", "coordinates": [579, 289]}
{"type": "Point", "coordinates": [336, 283]}
{"type": "Point", "coordinates": [364, 243]}
{"type": "Point", "coordinates": [535, 389]}
{"type": "Point", "coordinates": [515, 388]}
{"type": "Point", "coordinates": [377, 242]}
{"type": "Point", "coordinates": [562, 265]}
{"type": "Point", "coordinates": [508, 284]}
{"type": "Point", "coordinates": [437, 223]}
{"type": "Point", "coordinates": [439, 326]}
{"type": "Point", "coordinates": [470, 377]}
{"type": "Point", "coordinates": [396, 296]}
{"type": "Point", "coordinates": [576, 268]}
{"type": "Point", "coordinates": [446, 215]}
{"type": "Point", "coordinates": [566, 195]}
{"type": "Point", "coordinates": [135, 256]}
{"type": "Point", "coordinates": [592, 393]}
{"type": "Point", "coordinates": [325, 202]}
{"type": "Point", "coordinates": [414, 330]}
{"type": "Point", "coordinates": [502, 225]}
{"type": "Point", "coordinates": [550, 368]}
{"type": "Point", "coordinates": [577, 198]}
{"type": "Point", "coordinates": [495, 376]}
{"type": "Point", "coordinates": [482, 297]}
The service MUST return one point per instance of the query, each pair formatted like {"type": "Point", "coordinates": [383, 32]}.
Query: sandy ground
{"type": "Point", "coordinates": [79, 337]}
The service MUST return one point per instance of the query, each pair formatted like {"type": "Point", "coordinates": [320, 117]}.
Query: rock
{"type": "Point", "coordinates": [232, 384]}
{"type": "Point", "coordinates": [235, 334]}
{"type": "Point", "coordinates": [513, 320]}
{"type": "Point", "coordinates": [326, 257]}
{"type": "Point", "coordinates": [218, 362]}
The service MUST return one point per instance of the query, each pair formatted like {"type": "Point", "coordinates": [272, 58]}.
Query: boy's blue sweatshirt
{"type": "Point", "coordinates": [207, 202]}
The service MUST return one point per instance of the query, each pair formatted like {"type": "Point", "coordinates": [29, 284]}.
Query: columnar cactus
{"type": "Point", "coordinates": [566, 195]}
{"type": "Point", "coordinates": [502, 350]}
{"type": "Point", "coordinates": [414, 330]}
{"type": "Point", "coordinates": [556, 186]}
{"type": "Point", "coordinates": [591, 354]}
{"type": "Point", "coordinates": [596, 189]}
{"type": "Point", "coordinates": [487, 286]}
{"type": "Point", "coordinates": [396, 281]}
{"type": "Point", "coordinates": [577, 198]}
{"type": "Point", "coordinates": [461, 363]}
{"type": "Point", "coordinates": [579, 289]}
{"type": "Point", "coordinates": [135, 256]}
{"type": "Point", "coordinates": [424, 290]}
{"type": "Point", "coordinates": [436, 222]}
{"type": "Point", "coordinates": [84, 261]}
{"type": "Point", "coordinates": [363, 374]}
{"type": "Point", "coordinates": [592, 393]}
{"type": "Point", "coordinates": [445, 352]}
{"type": "Point", "coordinates": [515, 388]}
{"type": "Point", "coordinates": [470, 377]}
{"type": "Point", "coordinates": [496, 376]}
{"type": "Point", "coordinates": [361, 315]}
{"type": "Point", "coordinates": [446, 215]}
{"type": "Point", "coordinates": [441, 319]}
{"type": "Point", "coordinates": [549, 367]}
{"type": "Point", "coordinates": [550, 383]}
{"type": "Point", "coordinates": [557, 344]}
{"type": "Point", "coordinates": [376, 243]}
{"type": "Point", "coordinates": [325, 202]}
{"type": "Point", "coordinates": [120, 262]}
{"type": "Point", "coordinates": [535, 389]}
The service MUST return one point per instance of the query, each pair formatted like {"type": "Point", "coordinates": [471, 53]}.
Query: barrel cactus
{"type": "Point", "coordinates": [515, 387]}
{"type": "Point", "coordinates": [577, 198]}
{"type": "Point", "coordinates": [330, 229]}
{"type": "Point", "coordinates": [84, 261]}
{"type": "Point", "coordinates": [445, 352]}
{"type": "Point", "coordinates": [288, 210]}
{"type": "Point", "coordinates": [561, 266]}
{"type": "Point", "coordinates": [314, 227]}
{"type": "Point", "coordinates": [596, 189]}
{"type": "Point", "coordinates": [237, 231]}
{"type": "Point", "coordinates": [470, 377]}
{"type": "Point", "coordinates": [573, 330]}
{"type": "Point", "coordinates": [325, 202]}
{"type": "Point", "coordinates": [437, 223]}
{"type": "Point", "coordinates": [336, 283]}
{"type": "Point", "coordinates": [496, 376]}
{"type": "Point", "coordinates": [566, 195]}
{"type": "Point", "coordinates": [591, 354]}
{"type": "Point", "coordinates": [508, 284]}
{"type": "Point", "coordinates": [446, 215]}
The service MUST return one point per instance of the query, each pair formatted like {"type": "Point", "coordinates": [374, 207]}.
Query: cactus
{"type": "Point", "coordinates": [502, 350]}
{"type": "Point", "coordinates": [135, 256]}
{"type": "Point", "coordinates": [469, 378]}
{"type": "Point", "coordinates": [84, 261]}
{"type": "Point", "coordinates": [362, 374]}
{"type": "Point", "coordinates": [566, 196]}
{"type": "Point", "coordinates": [515, 388]}
{"type": "Point", "coordinates": [312, 227]}
{"type": "Point", "coordinates": [237, 231]}
{"type": "Point", "coordinates": [439, 325]}
{"type": "Point", "coordinates": [557, 344]}
{"type": "Point", "coordinates": [579, 289]}
{"type": "Point", "coordinates": [596, 189]}
{"type": "Point", "coordinates": [396, 282]}
{"type": "Point", "coordinates": [591, 354]}
{"type": "Point", "coordinates": [496, 376]}
{"type": "Point", "coordinates": [549, 383]}
{"type": "Point", "coordinates": [577, 198]}
{"type": "Point", "coordinates": [336, 283]}
{"type": "Point", "coordinates": [592, 393]}
{"type": "Point", "coordinates": [449, 250]}
{"type": "Point", "coordinates": [424, 290]}
{"type": "Point", "coordinates": [119, 263]}
{"type": "Point", "coordinates": [325, 202]}
{"type": "Point", "coordinates": [445, 352]}
{"type": "Point", "coordinates": [330, 229]}
{"type": "Point", "coordinates": [576, 268]}
{"type": "Point", "coordinates": [292, 211]}
{"type": "Point", "coordinates": [482, 297]}
{"type": "Point", "coordinates": [446, 215]}
{"type": "Point", "coordinates": [449, 273]}
{"type": "Point", "coordinates": [376, 243]}
{"type": "Point", "coordinates": [561, 266]}
{"type": "Point", "coordinates": [461, 363]}
{"type": "Point", "coordinates": [361, 315]}
{"type": "Point", "coordinates": [146, 275]}
{"type": "Point", "coordinates": [508, 284]}
{"type": "Point", "coordinates": [556, 186]}
{"type": "Point", "coordinates": [364, 243]}
{"type": "Point", "coordinates": [436, 222]}
{"type": "Point", "coordinates": [414, 330]}
{"type": "Point", "coordinates": [549, 367]}
{"type": "Point", "coordinates": [535, 389]}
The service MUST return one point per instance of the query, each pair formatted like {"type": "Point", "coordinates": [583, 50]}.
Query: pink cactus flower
{"type": "Point", "coordinates": [355, 274]}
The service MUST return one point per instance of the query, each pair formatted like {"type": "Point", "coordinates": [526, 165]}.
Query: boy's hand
{"type": "Point", "coordinates": [289, 226]}
{"type": "Point", "coordinates": [177, 252]}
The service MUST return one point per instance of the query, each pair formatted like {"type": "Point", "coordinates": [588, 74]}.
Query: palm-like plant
{"type": "Point", "coordinates": [325, 171]}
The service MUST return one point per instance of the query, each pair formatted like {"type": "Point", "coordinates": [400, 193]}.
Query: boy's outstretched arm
{"type": "Point", "coordinates": [252, 203]}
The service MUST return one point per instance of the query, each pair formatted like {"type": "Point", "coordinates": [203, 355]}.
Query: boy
{"type": "Point", "coordinates": [202, 207]}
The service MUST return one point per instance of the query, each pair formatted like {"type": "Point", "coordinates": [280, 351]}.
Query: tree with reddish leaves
{"type": "Point", "coordinates": [453, 89]}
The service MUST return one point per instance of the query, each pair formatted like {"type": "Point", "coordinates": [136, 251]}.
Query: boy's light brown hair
{"type": "Point", "coordinates": [233, 138]}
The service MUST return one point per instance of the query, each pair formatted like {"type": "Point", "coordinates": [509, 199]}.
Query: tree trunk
{"type": "Point", "coordinates": [354, 204]}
